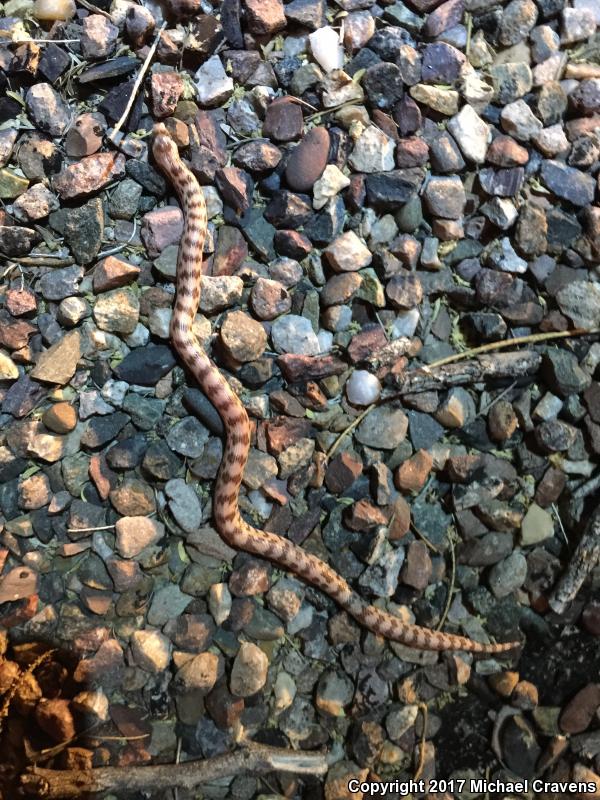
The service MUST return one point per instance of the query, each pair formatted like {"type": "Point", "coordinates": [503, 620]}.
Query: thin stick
{"type": "Point", "coordinates": [347, 430]}
{"type": "Point", "coordinates": [119, 247]}
{"type": "Point", "coordinates": [46, 41]}
{"type": "Point", "coordinates": [442, 621]}
{"type": "Point", "coordinates": [89, 530]}
{"type": "Point", "coordinates": [95, 9]}
{"type": "Point", "coordinates": [585, 558]}
{"type": "Point", "coordinates": [53, 784]}
{"type": "Point", "coordinates": [504, 343]}
{"type": "Point", "coordinates": [423, 538]}
{"type": "Point", "coordinates": [347, 104]}
{"type": "Point", "coordinates": [46, 261]}
{"type": "Point", "coordinates": [137, 84]}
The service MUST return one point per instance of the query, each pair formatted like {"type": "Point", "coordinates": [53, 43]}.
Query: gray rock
{"type": "Point", "coordinates": [184, 504]}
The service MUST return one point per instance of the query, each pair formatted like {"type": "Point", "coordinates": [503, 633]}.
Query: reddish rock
{"type": "Point", "coordinates": [269, 299]}
{"type": "Point", "coordinates": [224, 708]}
{"type": "Point", "coordinates": [283, 121]}
{"type": "Point", "coordinates": [413, 152]}
{"type": "Point", "coordinates": [364, 516]}
{"type": "Point", "coordinates": [524, 696]}
{"type": "Point", "coordinates": [243, 338]}
{"type": "Point", "coordinates": [365, 343]}
{"type": "Point", "coordinates": [264, 16]}
{"type": "Point", "coordinates": [342, 471]}
{"type": "Point", "coordinates": [89, 175]}
{"type": "Point", "coordinates": [502, 421]}
{"type": "Point", "coordinates": [165, 88]}
{"type": "Point", "coordinates": [445, 16]}
{"type": "Point", "coordinates": [282, 432]}
{"type": "Point", "coordinates": [14, 333]}
{"type": "Point", "coordinates": [160, 228]}
{"type": "Point", "coordinates": [308, 160]}
{"type": "Point", "coordinates": [417, 568]}
{"type": "Point", "coordinates": [578, 714]}
{"type": "Point", "coordinates": [296, 367]}
{"type": "Point", "coordinates": [253, 577]}
{"type": "Point", "coordinates": [60, 418]}
{"type": "Point", "coordinates": [103, 478]}
{"type": "Point", "coordinates": [400, 521]}
{"type": "Point", "coordinates": [55, 718]}
{"type": "Point", "coordinates": [339, 289]}
{"type": "Point", "coordinates": [85, 135]}
{"type": "Point", "coordinates": [550, 487]}
{"type": "Point", "coordinates": [505, 152]}
{"type": "Point", "coordinates": [20, 302]}
{"type": "Point", "coordinates": [231, 251]}
{"type": "Point", "coordinates": [413, 473]}
{"type": "Point", "coordinates": [112, 273]}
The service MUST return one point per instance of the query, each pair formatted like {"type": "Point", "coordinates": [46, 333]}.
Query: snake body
{"type": "Point", "coordinates": [228, 520]}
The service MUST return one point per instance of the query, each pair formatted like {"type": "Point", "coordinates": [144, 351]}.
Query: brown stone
{"type": "Point", "coordinates": [20, 302]}
{"type": "Point", "coordinates": [417, 568]}
{"type": "Point", "coordinates": [365, 343]}
{"type": "Point", "coordinates": [502, 421]}
{"type": "Point", "coordinates": [113, 273]}
{"type": "Point", "coordinates": [283, 121]}
{"type": "Point", "coordinates": [231, 251]}
{"type": "Point", "coordinates": [413, 473]}
{"type": "Point", "coordinates": [297, 367]}
{"type": "Point", "coordinates": [265, 16]}
{"type": "Point", "coordinates": [134, 498]}
{"type": "Point", "coordinates": [342, 471]}
{"type": "Point", "coordinates": [308, 160]}
{"type": "Point", "coordinates": [411, 152]}
{"type": "Point", "coordinates": [89, 175]}
{"type": "Point", "coordinates": [243, 338]}
{"type": "Point", "coordinates": [166, 88]}
{"type": "Point", "coordinates": [505, 152]}
{"type": "Point", "coordinates": [340, 288]}
{"type": "Point", "coordinates": [269, 299]}
{"type": "Point", "coordinates": [445, 16]}
{"type": "Point", "coordinates": [364, 516]}
{"type": "Point", "coordinates": [54, 718]}
{"type": "Point", "coordinates": [524, 696]}
{"type": "Point", "coordinates": [405, 290]}
{"type": "Point", "coordinates": [282, 432]}
{"type": "Point", "coordinates": [578, 714]}
{"type": "Point", "coordinates": [399, 524]}
{"type": "Point", "coordinates": [253, 577]}
{"type": "Point", "coordinates": [550, 487]}
{"type": "Point", "coordinates": [504, 682]}
{"type": "Point", "coordinates": [85, 135]}
{"type": "Point", "coordinates": [14, 333]}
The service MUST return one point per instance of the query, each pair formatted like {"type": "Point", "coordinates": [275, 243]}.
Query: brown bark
{"type": "Point", "coordinates": [585, 558]}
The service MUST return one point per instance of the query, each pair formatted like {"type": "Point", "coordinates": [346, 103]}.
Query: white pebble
{"type": "Point", "coordinates": [325, 341]}
{"type": "Point", "coordinates": [326, 48]}
{"type": "Point", "coordinates": [219, 602]}
{"type": "Point", "coordinates": [405, 323]}
{"type": "Point", "coordinates": [362, 388]}
{"type": "Point", "coordinates": [262, 507]}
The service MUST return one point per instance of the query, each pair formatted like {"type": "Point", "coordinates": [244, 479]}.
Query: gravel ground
{"type": "Point", "coordinates": [388, 186]}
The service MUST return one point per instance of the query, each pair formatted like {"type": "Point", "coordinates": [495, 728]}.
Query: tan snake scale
{"type": "Point", "coordinates": [229, 523]}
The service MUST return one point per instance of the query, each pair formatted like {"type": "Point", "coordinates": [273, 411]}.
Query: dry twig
{"type": "Point", "coordinates": [585, 558]}
{"type": "Point", "coordinates": [136, 85]}
{"type": "Point", "coordinates": [52, 784]}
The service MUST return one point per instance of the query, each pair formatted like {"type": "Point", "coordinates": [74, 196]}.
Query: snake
{"type": "Point", "coordinates": [230, 525]}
